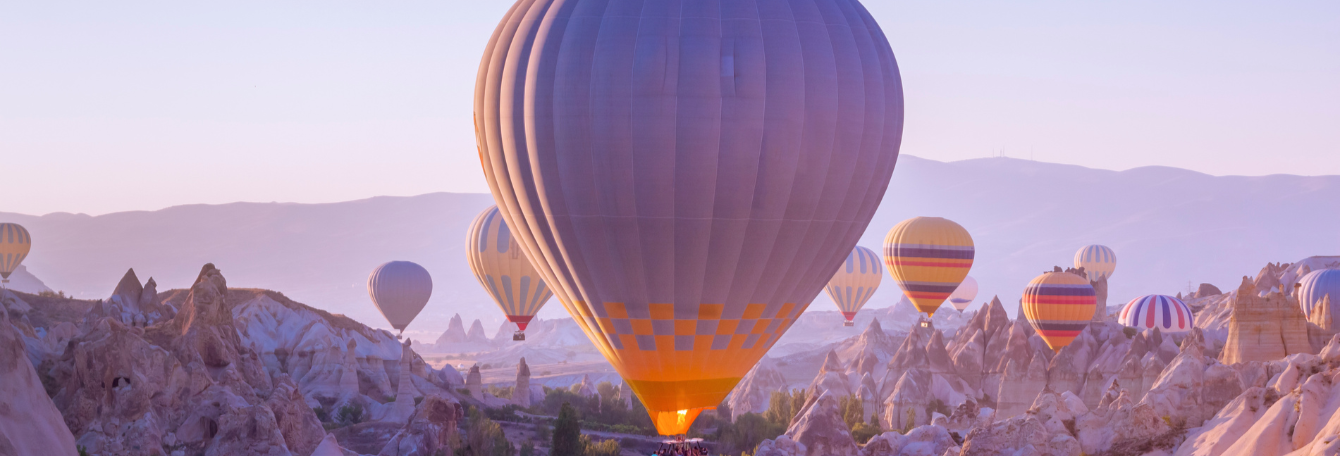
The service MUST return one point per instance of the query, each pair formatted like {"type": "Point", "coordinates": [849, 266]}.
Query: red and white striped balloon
{"type": "Point", "coordinates": [1168, 314]}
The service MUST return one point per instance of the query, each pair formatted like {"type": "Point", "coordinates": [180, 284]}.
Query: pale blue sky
{"type": "Point", "coordinates": [112, 106]}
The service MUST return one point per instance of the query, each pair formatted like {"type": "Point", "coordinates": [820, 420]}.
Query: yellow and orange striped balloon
{"type": "Point", "coordinates": [928, 257]}
{"type": "Point", "coordinates": [1059, 305]}
{"type": "Point", "coordinates": [503, 269]}
{"type": "Point", "coordinates": [14, 246]}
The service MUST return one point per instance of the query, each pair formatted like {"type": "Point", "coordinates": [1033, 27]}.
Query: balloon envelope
{"type": "Point", "coordinates": [503, 269]}
{"type": "Point", "coordinates": [1313, 290]}
{"type": "Point", "coordinates": [14, 246]}
{"type": "Point", "coordinates": [855, 281]}
{"type": "Point", "coordinates": [1098, 261]}
{"type": "Point", "coordinates": [686, 176]}
{"type": "Point", "coordinates": [928, 258]}
{"type": "Point", "coordinates": [1059, 305]}
{"type": "Point", "coordinates": [964, 294]}
{"type": "Point", "coordinates": [1167, 313]}
{"type": "Point", "coordinates": [400, 289]}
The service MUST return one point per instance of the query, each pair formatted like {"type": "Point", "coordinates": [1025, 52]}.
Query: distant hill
{"type": "Point", "coordinates": [1168, 226]}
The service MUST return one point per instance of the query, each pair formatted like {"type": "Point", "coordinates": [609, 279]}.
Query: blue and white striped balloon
{"type": "Point", "coordinates": [1315, 286]}
{"type": "Point", "coordinates": [1168, 314]}
{"type": "Point", "coordinates": [1098, 261]}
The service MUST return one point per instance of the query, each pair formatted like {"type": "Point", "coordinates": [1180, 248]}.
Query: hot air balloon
{"type": "Point", "coordinates": [1098, 261]}
{"type": "Point", "coordinates": [504, 271]}
{"type": "Point", "coordinates": [400, 289]}
{"type": "Point", "coordinates": [1167, 313]}
{"type": "Point", "coordinates": [1059, 305]}
{"type": "Point", "coordinates": [14, 246]}
{"type": "Point", "coordinates": [1313, 290]}
{"type": "Point", "coordinates": [855, 282]}
{"type": "Point", "coordinates": [964, 294]}
{"type": "Point", "coordinates": [928, 258]}
{"type": "Point", "coordinates": [687, 176]}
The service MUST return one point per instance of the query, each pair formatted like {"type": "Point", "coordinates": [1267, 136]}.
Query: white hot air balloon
{"type": "Point", "coordinates": [964, 294]}
{"type": "Point", "coordinates": [400, 289]}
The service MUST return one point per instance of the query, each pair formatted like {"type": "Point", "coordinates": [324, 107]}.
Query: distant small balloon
{"type": "Point", "coordinates": [855, 282]}
{"type": "Point", "coordinates": [1098, 261]}
{"type": "Point", "coordinates": [14, 246]}
{"type": "Point", "coordinates": [400, 289]}
{"type": "Point", "coordinates": [1313, 290]}
{"type": "Point", "coordinates": [1059, 305]}
{"type": "Point", "coordinates": [964, 294]}
{"type": "Point", "coordinates": [503, 268]}
{"type": "Point", "coordinates": [1167, 313]}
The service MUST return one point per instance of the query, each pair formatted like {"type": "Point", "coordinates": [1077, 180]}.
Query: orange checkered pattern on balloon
{"type": "Point", "coordinates": [658, 348]}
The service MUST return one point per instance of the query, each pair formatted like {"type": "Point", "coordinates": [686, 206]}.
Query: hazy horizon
{"type": "Point", "coordinates": [138, 105]}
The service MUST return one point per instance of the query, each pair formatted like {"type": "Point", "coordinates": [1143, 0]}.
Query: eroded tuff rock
{"type": "Point", "coordinates": [924, 440]}
{"type": "Point", "coordinates": [429, 430]}
{"type": "Point", "coordinates": [1265, 324]}
{"type": "Point", "coordinates": [1024, 435]}
{"type": "Point", "coordinates": [232, 372]}
{"type": "Point", "coordinates": [29, 421]}
{"type": "Point", "coordinates": [819, 427]}
{"type": "Point", "coordinates": [521, 391]}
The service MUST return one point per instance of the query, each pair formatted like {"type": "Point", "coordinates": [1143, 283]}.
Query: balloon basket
{"type": "Point", "coordinates": [518, 336]}
{"type": "Point", "coordinates": [848, 323]}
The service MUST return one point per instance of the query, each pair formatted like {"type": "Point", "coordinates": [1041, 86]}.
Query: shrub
{"type": "Point", "coordinates": [349, 414]}
{"type": "Point", "coordinates": [602, 448]}
{"type": "Point", "coordinates": [862, 432]}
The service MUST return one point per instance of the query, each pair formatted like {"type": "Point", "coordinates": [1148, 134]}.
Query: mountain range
{"type": "Point", "coordinates": [1170, 228]}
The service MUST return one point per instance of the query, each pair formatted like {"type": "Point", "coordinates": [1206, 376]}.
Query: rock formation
{"type": "Point", "coordinates": [29, 422]}
{"type": "Point", "coordinates": [819, 427]}
{"type": "Point", "coordinates": [473, 382]}
{"type": "Point", "coordinates": [521, 392]}
{"type": "Point", "coordinates": [1264, 326]}
{"type": "Point", "coordinates": [455, 332]}
{"type": "Point", "coordinates": [928, 440]}
{"type": "Point", "coordinates": [430, 429]}
{"type": "Point", "coordinates": [233, 371]}
{"type": "Point", "coordinates": [476, 333]}
{"type": "Point", "coordinates": [755, 389]}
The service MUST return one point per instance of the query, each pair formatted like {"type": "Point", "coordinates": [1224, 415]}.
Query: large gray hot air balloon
{"type": "Point", "coordinates": [400, 289]}
{"type": "Point", "coordinates": [686, 176]}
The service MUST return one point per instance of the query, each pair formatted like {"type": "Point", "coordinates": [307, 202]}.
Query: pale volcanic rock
{"type": "Point", "coordinates": [819, 427]}
{"type": "Point", "coordinates": [782, 446]}
{"type": "Point", "coordinates": [754, 390]}
{"type": "Point", "coordinates": [906, 406]}
{"type": "Point", "coordinates": [328, 447]}
{"type": "Point", "coordinates": [297, 423]}
{"type": "Point", "coordinates": [1020, 386]}
{"type": "Point", "coordinates": [1119, 425]}
{"type": "Point", "coordinates": [455, 332]}
{"type": "Point", "coordinates": [586, 387]}
{"type": "Point", "coordinates": [29, 421]}
{"type": "Point", "coordinates": [1264, 328]}
{"type": "Point", "coordinates": [1220, 433]}
{"type": "Point", "coordinates": [920, 441]}
{"type": "Point", "coordinates": [403, 407]}
{"type": "Point", "coordinates": [521, 391]}
{"type": "Point", "coordinates": [476, 333]}
{"type": "Point", "coordinates": [938, 356]}
{"type": "Point", "coordinates": [831, 377]}
{"type": "Point", "coordinates": [430, 430]}
{"type": "Point", "coordinates": [473, 382]}
{"type": "Point", "coordinates": [1054, 409]}
{"type": "Point", "coordinates": [1018, 436]}
{"type": "Point", "coordinates": [967, 359]}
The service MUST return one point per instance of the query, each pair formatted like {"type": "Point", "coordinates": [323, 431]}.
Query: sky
{"type": "Point", "coordinates": [116, 106]}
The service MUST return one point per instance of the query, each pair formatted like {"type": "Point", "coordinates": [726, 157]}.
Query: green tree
{"type": "Point", "coordinates": [484, 437]}
{"type": "Point", "coordinates": [746, 433]}
{"type": "Point", "coordinates": [567, 433]}
{"type": "Point", "coordinates": [851, 409]}
{"type": "Point", "coordinates": [602, 448]}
